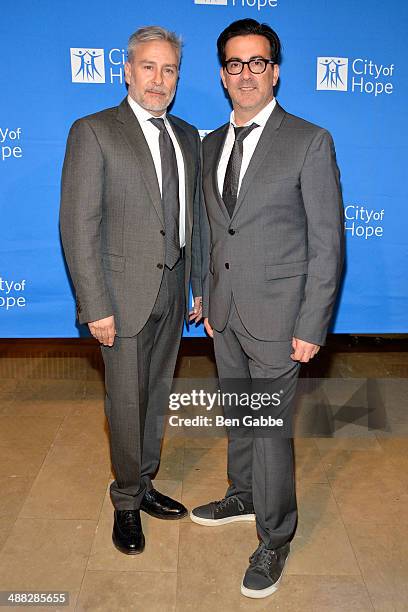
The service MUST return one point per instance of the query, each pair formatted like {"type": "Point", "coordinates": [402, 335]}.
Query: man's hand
{"type": "Point", "coordinates": [303, 351]}
{"type": "Point", "coordinates": [103, 330]}
{"type": "Point", "coordinates": [208, 328]}
{"type": "Point", "coordinates": [197, 313]}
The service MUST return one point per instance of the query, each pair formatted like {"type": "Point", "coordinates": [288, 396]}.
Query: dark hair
{"type": "Point", "coordinates": [244, 27]}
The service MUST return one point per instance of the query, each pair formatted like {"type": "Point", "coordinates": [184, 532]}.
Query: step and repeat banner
{"type": "Point", "coordinates": [343, 67]}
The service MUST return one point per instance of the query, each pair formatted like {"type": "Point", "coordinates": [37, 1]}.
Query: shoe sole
{"type": "Point", "coordinates": [126, 551]}
{"type": "Point", "coordinates": [260, 594]}
{"type": "Point", "coordinates": [254, 594]}
{"type": "Point", "coordinates": [243, 518]}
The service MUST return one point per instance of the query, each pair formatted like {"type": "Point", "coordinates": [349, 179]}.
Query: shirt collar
{"type": "Point", "coordinates": [261, 118]}
{"type": "Point", "coordinates": [141, 113]}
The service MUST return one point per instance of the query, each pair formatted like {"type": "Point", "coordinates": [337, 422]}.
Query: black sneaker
{"type": "Point", "coordinates": [227, 510]}
{"type": "Point", "coordinates": [265, 571]}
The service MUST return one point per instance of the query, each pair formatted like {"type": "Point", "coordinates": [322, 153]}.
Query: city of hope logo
{"type": "Point", "coordinates": [332, 73]}
{"type": "Point", "coordinates": [87, 65]}
{"type": "Point", "coordinates": [357, 75]}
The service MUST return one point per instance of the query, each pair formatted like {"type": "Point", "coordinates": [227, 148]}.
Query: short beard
{"type": "Point", "coordinates": [159, 107]}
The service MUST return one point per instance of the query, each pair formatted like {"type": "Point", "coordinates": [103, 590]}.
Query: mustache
{"type": "Point", "coordinates": [247, 83]}
{"type": "Point", "coordinates": [157, 90]}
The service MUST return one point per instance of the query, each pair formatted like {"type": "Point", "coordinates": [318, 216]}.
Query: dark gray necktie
{"type": "Point", "coordinates": [231, 180]}
{"type": "Point", "coordinates": [170, 193]}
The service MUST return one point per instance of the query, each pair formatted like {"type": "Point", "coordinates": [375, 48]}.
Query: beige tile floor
{"type": "Point", "coordinates": [349, 551]}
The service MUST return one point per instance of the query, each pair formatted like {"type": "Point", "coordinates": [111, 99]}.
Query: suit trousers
{"type": "Point", "coordinates": [260, 462]}
{"type": "Point", "coordinates": [138, 377]}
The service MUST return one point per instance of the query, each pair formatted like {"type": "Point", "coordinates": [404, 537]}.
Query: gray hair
{"type": "Point", "coordinates": [148, 33]}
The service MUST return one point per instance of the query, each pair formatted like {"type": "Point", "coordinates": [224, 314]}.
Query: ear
{"type": "Point", "coordinates": [127, 72]}
{"type": "Point", "coordinates": [222, 75]}
{"type": "Point", "coordinates": [275, 74]}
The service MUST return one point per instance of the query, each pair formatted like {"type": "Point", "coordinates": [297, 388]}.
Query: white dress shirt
{"type": "Point", "coordinates": [151, 133]}
{"type": "Point", "coordinates": [250, 143]}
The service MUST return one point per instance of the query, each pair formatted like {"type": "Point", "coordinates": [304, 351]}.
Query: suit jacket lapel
{"type": "Point", "coordinates": [218, 149]}
{"type": "Point", "coordinates": [265, 144]}
{"type": "Point", "coordinates": [133, 134]}
{"type": "Point", "coordinates": [189, 169]}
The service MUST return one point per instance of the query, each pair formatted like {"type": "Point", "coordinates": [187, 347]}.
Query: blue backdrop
{"type": "Point", "coordinates": [342, 68]}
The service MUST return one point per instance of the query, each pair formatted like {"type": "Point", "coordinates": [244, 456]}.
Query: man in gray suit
{"type": "Point", "coordinates": [273, 258]}
{"type": "Point", "coordinates": [130, 197]}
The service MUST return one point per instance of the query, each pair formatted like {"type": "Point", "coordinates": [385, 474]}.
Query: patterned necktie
{"type": "Point", "coordinates": [170, 193]}
{"type": "Point", "coordinates": [231, 180]}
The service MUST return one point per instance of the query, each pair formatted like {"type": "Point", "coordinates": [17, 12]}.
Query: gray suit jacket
{"type": "Point", "coordinates": [112, 221]}
{"type": "Point", "coordinates": [281, 253]}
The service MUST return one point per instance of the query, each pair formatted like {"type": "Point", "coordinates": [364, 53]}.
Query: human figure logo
{"type": "Point", "coordinates": [87, 65]}
{"type": "Point", "coordinates": [332, 73]}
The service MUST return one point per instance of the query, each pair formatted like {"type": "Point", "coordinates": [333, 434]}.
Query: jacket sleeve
{"type": "Point", "coordinates": [80, 221]}
{"type": "Point", "coordinates": [320, 184]}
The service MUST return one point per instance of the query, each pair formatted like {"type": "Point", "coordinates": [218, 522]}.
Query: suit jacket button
{"type": "Point", "coordinates": [227, 266]}
{"type": "Point", "coordinates": [231, 232]}
{"type": "Point", "coordinates": [163, 233]}
{"type": "Point", "coordinates": [160, 266]}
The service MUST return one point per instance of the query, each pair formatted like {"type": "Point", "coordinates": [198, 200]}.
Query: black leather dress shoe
{"type": "Point", "coordinates": [160, 506]}
{"type": "Point", "coordinates": [127, 533]}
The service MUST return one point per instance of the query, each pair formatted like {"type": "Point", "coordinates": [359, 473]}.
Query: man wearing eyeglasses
{"type": "Point", "coordinates": [273, 252]}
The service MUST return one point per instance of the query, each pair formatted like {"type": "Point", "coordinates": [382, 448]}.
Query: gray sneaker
{"type": "Point", "coordinates": [227, 510]}
{"type": "Point", "coordinates": [265, 571]}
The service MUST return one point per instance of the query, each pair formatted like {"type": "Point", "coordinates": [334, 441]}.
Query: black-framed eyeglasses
{"type": "Point", "coordinates": [256, 66]}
